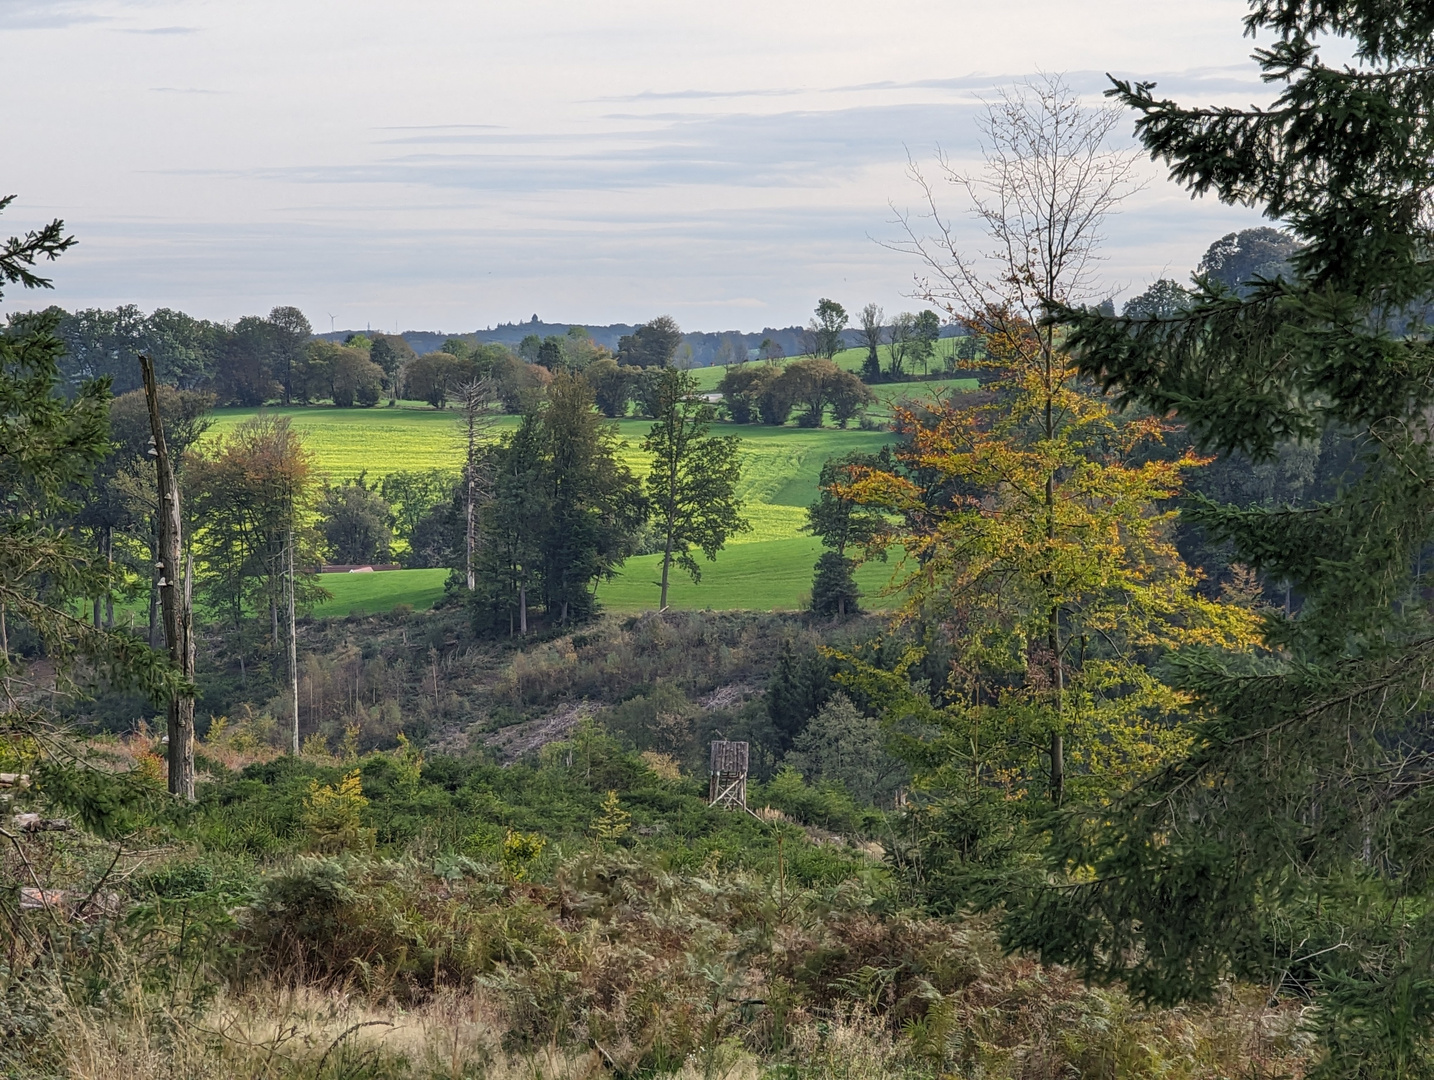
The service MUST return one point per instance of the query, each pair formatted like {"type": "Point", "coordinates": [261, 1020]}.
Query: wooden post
{"type": "Point", "coordinates": [175, 600]}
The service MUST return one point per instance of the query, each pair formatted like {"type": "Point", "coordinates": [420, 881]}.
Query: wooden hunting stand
{"type": "Point", "coordinates": [727, 786]}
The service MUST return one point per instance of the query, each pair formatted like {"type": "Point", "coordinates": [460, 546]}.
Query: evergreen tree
{"type": "Point", "coordinates": [1292, 843]}
{"type": "Point", "coordinates": [51, 445]}
{"type": "Point", "coordinates": [834, 589]}
{"type": "Point", "coordinates": [562, 515]}
{"type": "Point", "coordinates": [843, 745]}
{"type": "Point", "coordinates": [513, 526]}
{"type": "Point", "coordinates": [840, 520]}
{"type": "Point", "coordinates": [595, 503]}
{"type": "Point", "coordinates": [800, 684]}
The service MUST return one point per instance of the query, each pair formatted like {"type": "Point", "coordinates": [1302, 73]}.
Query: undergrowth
{"type": "Point", "coordinates": [583, 914]}
{"type": "Point", "coordinates": [355, 965]}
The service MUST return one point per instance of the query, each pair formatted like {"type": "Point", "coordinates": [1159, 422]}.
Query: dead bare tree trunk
{"type": "Point", "coordinates": [176, 600]}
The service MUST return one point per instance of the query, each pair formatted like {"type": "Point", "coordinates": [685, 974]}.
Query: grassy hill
{"type": "Point", "coordinates": [768, 568]}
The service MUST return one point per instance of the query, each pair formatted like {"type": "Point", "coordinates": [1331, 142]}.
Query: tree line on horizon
{"type": "Point", "coordinates": [277, 359]}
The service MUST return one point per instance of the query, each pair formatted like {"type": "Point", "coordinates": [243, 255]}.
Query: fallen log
{"type": "Point", "coordinates": [35, 823]}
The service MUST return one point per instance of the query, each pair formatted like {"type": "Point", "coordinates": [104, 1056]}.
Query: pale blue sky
{"type": "Point", "coordinates": [436, 164]}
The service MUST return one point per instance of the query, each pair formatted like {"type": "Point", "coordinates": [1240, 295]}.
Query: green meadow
{"type": "Point", "coordinates": [768, 568]}
{"type": "Point", "coordinates": [771, 575]}
{"type": "Point", "coordinates": [851, 359]}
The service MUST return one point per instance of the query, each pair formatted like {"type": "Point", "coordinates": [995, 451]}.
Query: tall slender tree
{"type": "Point", "coordinates": [475, 422]}
{"type": "Point", "coordinates": [1049, 182]}
{"type": "Point", "coordinates": [872, 332]}
{"type": "Point", "coordinates": [176, 586]}
{"type": "Point", "coordinates": [839, 520]}
{"type": "Point", "coordinates": [692, 484]}
{"type": "Point", "coordinates": [514, 522]}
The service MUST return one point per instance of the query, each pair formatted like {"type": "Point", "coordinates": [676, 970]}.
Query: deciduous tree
{"type": "Point", "coordinates": [355, 522]}
{"type": "Point", "coordinates": [824, 331]}
{"type": "Point", "coordinates": [652, 344]}
{"type": "Point", "coordinates": [1049, 181]}
{"type": "Point", "coordinates": [692, 485]}
{"type": "Point", "coordinates": [903, 337]}
{"type": "Point", "coordinates": [412, 494]}
{"type": "Point", "coordinates": [251, 490]}
{"type": "Point", "coordinates": [872, 332]}
{"type": "Point", "coordinates": [291, 333]}
{"type": "Point", "coordinates": [612, 386]}
{"type": "Point", "coordinates": [925, 332]}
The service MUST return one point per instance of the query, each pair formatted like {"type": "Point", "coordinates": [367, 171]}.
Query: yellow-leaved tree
{"type": "Point", "coordinates": [1042, 556]}
{"type": "Point", "coordinates": [333, 815]}
{"type": "Point", "coordinates": [1036, 524]}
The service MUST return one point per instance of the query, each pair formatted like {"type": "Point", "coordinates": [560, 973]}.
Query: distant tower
{"type": "Point", "coordinates": [727, 786]}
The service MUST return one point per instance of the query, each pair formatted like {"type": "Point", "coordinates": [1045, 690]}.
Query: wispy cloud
{"type": "Point", "coordinates": [47, 14]}
{"type": "Point", "coordinates": [814, 148]}
{"type": "Point", "coordinates": [1210, 79]}
{"type": "Point", "coordinates": [185, 90]}
{"type": "Point", "coordinates": [700, 95]}
{"type": "Point", "coordinates": [157, 30]}
{"type": "Point", "coordinates": [437, 127]}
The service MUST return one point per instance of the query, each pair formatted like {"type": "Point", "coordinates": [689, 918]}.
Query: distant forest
{"type": "Point", "coordinates": [278, 357]}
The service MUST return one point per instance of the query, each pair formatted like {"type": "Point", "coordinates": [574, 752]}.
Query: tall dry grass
{"type": "Point", "coordinates": [358, 967]}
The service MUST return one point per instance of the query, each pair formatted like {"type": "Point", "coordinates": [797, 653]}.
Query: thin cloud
{"type": "Point", "coordinates": [1227, 77]}
{"type": "Point", "coordinates": [809, 148]}
{"type": "Point", "coordinates": [698, 95]}
{"type": "Point", "coordinates": [437, 127]}
{"type": "Point", "coordinates": [157, 30]}
{"type": "Point", "coordinates": [46, 15]}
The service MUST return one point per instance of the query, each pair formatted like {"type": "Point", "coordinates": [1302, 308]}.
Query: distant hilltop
{"type": "Point", "coordinates": [705, 345]}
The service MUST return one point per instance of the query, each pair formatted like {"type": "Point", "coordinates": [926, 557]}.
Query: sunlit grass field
{"type": "Point", "coordinates": [851, 359]}
{"type": "Point", "coordinates": [769, 567]}
{"type": "Point", "coordinates": [769, 575]}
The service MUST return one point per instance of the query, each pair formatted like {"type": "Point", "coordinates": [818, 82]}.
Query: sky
{"type": "Point", "coordinates": [452, 164]}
